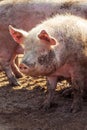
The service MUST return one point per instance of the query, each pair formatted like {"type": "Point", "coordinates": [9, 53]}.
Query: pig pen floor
{"type": "Point", "coordinates": [19, 107]}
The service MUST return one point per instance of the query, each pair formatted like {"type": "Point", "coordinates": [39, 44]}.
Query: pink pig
{"type": "Point", "coordinates": [56, 47]}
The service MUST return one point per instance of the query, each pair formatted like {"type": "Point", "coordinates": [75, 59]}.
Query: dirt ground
{"type": "Point", "coordinates": [19, 107]}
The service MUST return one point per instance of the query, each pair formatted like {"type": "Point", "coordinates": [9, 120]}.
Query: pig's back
{"type": "Point", "coordinates": [69, 31]}
{"type": "Point", "coordinates": [63, 25]}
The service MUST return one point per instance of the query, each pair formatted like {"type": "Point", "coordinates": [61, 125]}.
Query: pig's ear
{"type": "Point", "coordinates": [18, 35]}
{"type": "Point", "coordinates": [44, 36]}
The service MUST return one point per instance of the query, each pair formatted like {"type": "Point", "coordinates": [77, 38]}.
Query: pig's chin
{"type": "Point", "coordinates": [34, 73]}
{"type": "Point", "coordinates": [24, 72]}
{"type": "Point", "coordinates": [30, 73]}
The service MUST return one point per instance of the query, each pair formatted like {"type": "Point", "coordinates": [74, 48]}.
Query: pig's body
{"type": "Point", "coordinates": [26, 14]}
{"type": "Point", "coordinates": [57, 47]}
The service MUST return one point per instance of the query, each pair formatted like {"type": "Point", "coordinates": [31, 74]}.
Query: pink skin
{"type": "Point", "coordinates": [27, 14]}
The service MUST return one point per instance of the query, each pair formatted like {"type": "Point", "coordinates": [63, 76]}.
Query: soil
{"type": "Point", "coordinates": [20, 107]}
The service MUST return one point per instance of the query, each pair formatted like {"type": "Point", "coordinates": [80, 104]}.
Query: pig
{"type": "Point", "coordinates": [26, 14]}
{"type": "Point", "coordinates": [56, 47]}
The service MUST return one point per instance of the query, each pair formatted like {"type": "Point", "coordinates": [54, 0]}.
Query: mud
{"type": "Point", "coordinates": [20, 107]}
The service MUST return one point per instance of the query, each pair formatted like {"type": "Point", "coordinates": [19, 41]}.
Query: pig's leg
{"type": "Point", "coordinates": [51, 85]}
{"type": "Point", "coordinates": [78, 87]}
{"type": "Point", "coordinates": [67, 92]}
{"type": "Point", "coordinates": [7, 68]}
{"type": "Point", "coordinates": [15, 69]}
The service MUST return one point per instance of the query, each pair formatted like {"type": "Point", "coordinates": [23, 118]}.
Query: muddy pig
{"type": "Point", "coordinates": [56, 47]}
{"type": "Point", "coordinates": [26, 14]}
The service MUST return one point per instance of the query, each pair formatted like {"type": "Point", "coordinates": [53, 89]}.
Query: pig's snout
{"type": "Point", "coordinates": [23, 67]}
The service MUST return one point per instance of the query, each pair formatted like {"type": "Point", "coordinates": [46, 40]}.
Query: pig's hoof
{"type": "Point", "coordinates": [14, 82]}
{"type": "Point", "coordinates": [67, 92]}
{"type": "Point", "coordinates": [46, 105]}
{"type": "Point", "coordinates": [75, 108]}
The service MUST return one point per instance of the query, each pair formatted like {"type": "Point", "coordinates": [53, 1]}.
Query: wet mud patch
{"type": "Point", "coordinates": [19, 107]}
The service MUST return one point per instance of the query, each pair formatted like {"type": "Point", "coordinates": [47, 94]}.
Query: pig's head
{"type": "Point", "coordinates": [39, 57]}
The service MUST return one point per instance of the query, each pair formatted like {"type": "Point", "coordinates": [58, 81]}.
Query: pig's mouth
{"type": "Point", "coordinates": [29, 70]}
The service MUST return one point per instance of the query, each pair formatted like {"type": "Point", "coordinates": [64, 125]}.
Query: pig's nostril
{"type": "Point", "coordinates": [20, 67]}
{"type": "Point", "coordinates": [25, 68]}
